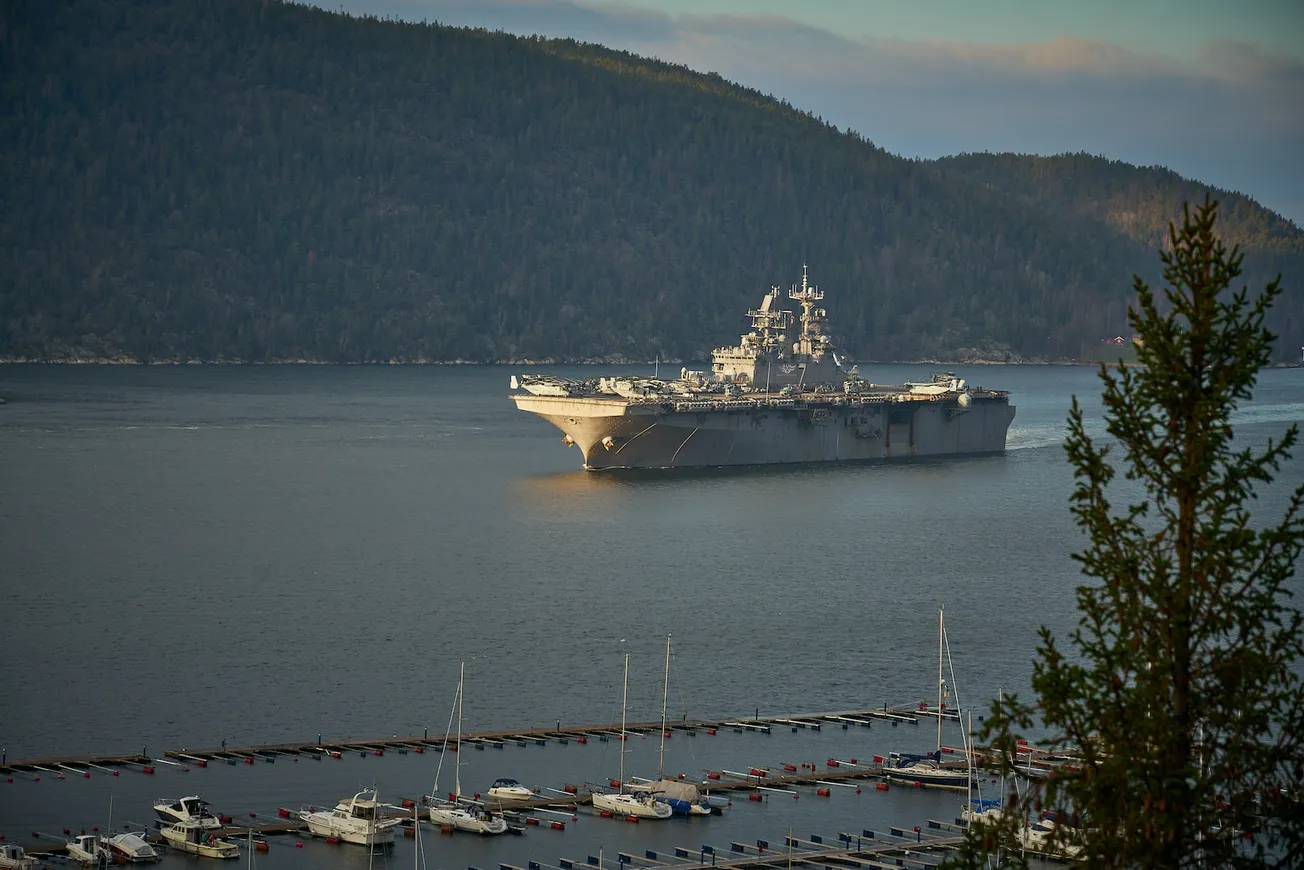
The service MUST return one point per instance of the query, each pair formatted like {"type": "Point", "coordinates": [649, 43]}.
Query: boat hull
{"type": "Point", "coordinates": [361, 837]}
{"type": "Point", "coordinates": [222, 849]}
{"type": "Point", "coordinates": [631, 805]}
{"type": "Point", "coordinates": [935, 778]}
{"type": "Point", "coordinates": [615, 433]}
{"type": "Point", "coordinates": [463, 820]}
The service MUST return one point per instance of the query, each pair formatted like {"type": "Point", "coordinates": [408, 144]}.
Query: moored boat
{"type": "Point", "coordinates": [129, 848]}
{"type": "Point", "coordinates": [458, 812]}
{"type": "Point", "coordinates": [190, 809]}
{"type": "Point", "coordinates": [927, 768]}
{"type": "Point", "coordinates": [505, 789]}
{"type": "Point", "coordinates": [12, 856]}
{"type": "Point", "coordinates": [354, 820]}
{"type": "Point", "coordinates": [198, 840]}
{"type": "Point", "coordinates": [622, 802]}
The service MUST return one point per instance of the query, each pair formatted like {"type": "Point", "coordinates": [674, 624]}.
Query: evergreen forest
{"type": "Point", "coordinates": [261, 181]}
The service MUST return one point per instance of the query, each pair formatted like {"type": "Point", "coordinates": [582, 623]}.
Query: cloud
{"type": "Point", "coordinates": [1229, 117]}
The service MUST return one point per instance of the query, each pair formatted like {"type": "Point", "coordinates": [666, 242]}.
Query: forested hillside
{"type": "Point", "coordinates": [253, 180]}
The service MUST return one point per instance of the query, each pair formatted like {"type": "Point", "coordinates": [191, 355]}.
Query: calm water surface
{"type": "Point", "coordinates": [261, 554]}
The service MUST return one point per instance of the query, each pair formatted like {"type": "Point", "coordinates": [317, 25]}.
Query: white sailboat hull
{"type": "Point", "coordinates": [467, 820]}
{"type": "Point", "coordinates": [641, 806]}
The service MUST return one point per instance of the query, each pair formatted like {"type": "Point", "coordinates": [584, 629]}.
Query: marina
{"type": "Point", "coordinates": [827, 798]}
{"type": "Point", "coordinates": [760, 777]}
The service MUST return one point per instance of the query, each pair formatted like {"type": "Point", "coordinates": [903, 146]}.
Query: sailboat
{"type": "Point", "coordinates": [623, 803]}
{"type": "Point", "coordinates": [462, 815]}
{"type": "Point", "coordinates": [927, 769]}
{"type": "Point", "coordinates": [682, 797]}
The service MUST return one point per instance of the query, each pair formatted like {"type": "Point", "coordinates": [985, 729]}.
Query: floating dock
{"type": "Point", "coordinates": [84, 765]}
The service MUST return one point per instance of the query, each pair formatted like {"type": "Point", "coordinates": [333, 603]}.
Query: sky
{"type": "Point", "coordinates": [1212, 90]}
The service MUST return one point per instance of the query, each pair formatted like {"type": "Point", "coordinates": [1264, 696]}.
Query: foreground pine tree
{"type": "Point", "coordinates": [1181, 701]}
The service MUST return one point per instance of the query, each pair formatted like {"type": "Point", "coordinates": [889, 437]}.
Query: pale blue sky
{"type": "Point", "coordinates": [1175, 27]}
{"type": "Point", "coordinates": [1212, 90]}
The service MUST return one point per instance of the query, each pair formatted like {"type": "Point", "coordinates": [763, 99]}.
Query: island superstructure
{"type": "Point", "coordinates": [770, 399]}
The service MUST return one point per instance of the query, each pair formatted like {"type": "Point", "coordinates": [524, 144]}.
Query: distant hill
{"type": "Point", "coordinates": [252, 180]}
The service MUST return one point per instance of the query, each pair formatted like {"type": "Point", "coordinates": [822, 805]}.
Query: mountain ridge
{"type": "Point", "coordinates": [262, 181]}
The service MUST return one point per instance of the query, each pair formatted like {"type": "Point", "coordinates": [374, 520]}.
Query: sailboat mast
{"type": "Point", "coordinates": [940, 611]}
{"type": "Point", "coordinates": [457, 769]}
{"type": "Point", "coordinates": [624, 702]}
{"type": "Point", "coordinates": [665, 696]}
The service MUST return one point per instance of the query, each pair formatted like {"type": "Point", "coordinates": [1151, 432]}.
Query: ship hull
{"type": "Point", "coordinates": [611, 433]}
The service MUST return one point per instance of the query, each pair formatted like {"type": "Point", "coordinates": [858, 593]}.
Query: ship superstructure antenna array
{"type": "Point", "coordinates": [770, 321]}
{"type": "Point", "coordinates": [813, 320]}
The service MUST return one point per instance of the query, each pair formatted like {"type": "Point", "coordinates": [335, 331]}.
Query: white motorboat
{"type": "Point", "coordinates": [461, 814]}
{"type": "Point", "coordinates": [187, 809]}
{"type": "Point", "coordinates": [12, 857]}
{"type": "Point", "coordinates": [509, 790]}
{"type": "Point", "coordinates": [927, 769]}
{"type": "Point", "coordinates": [622, 803]}
{"type": "Point", "coordinates": [129, 848]}
{"type": "Point", "coordinates": [354, 820]}
{"type": "Point", "coordinates": [87, 850]}
{"type": "Point", "coordinates": [196, 839]}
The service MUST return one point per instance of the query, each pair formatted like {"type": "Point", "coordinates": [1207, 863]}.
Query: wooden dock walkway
{"type": "Point", "coordinates": [85, 764]}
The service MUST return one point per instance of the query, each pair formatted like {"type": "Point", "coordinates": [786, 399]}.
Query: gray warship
{"type": "Point", "coordinates": [767, 401]}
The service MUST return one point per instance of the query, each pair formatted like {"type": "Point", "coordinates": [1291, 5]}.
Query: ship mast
{"type": "Point", "coordinates": [812, 318]}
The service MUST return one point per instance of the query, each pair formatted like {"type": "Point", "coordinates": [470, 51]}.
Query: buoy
{"type": "Point", "coordinates": [67, 832]}
{"type": "Point", "coordinates": [615, 783]}
{"type": "Point", "coordinates": [569, 789]}
{"type": "Point", "coordinates": [408, 803]}
{"type": "Point", "coordinates": [253, 815]}
{"type": "Point", "coordinates": [831, 763]}
{"type": "Point", "coordinates": [854, 761]}
{"type": "Point", "coordinates": [710, 731]}
{"type": "Point", "coordinates": [531, 820]}
{"type": "Point", "coordinates": [379, 752]}
{"type": "Point", "coordinates": [822, 792]}
{"type": "Point", "coordinates": [203, 762]}
{"type": "Point", "coordinates": [261, 846]}
{"type": "Point", "coordinates": [150, 771]}
{"type": "Point", "coordinates": [419, 750]}
{"type": "Point", "coordinates": [918, 784]}
{"type": "Point", "coordinates": [681, 776]}
{"type": "Point", "coordinates": [445, 829]}
{"type": "Point", "coordinates": [249, 759]}
{"type": "Point", "coordinates": [115, 773]}
{"type": "Point", "coordinates": [790, 767]}
{"type": "Point", "coordinates": [36, 779]}
{"type": "Point", "coordinates": [881, 786]}
{"type": "Point", "coordinates": [878, 759]}
{"type": "Point", "coordinates": [606, 814]}
{"type": "Point", "coordinates": [559, 826]}
{"type": "Point", "coordinates": [713, 775]}
{"type": "Point", "coordinates": [633, 819]}
{"type": "Point", "coordinates": [857, 789]}
{"type": "Point", "coordinates": [947, 749]}
{"type": "Point", "coordinates": [756, 771]}
{"type": "Point", "coordinates": [283, 812]}
{"type": "Point", "coordinates": [409, 831]}
{"type": "Point", "coordinates": [87, 774]}
{"type": "Point", "coordinates": [754, 796]}
{"type": "Point", "coordinates": [334, 841]}
{"type": "Point", "coordinates": [581, 739]}
{"type": "Point", "coordinates": [264, 845]}
{"type": "Point", "coordinates": [335, 754]}
{"type": "Point", "coordinates": [224, 819]}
